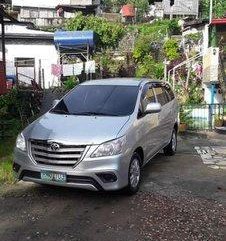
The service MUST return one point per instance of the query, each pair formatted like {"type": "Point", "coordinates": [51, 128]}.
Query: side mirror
{"type": "Point", "coordinates": [153, 108]}
{"type": "Point", "coordinates": [55, 102]}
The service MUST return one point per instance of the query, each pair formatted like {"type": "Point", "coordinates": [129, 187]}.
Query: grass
{"type": "Point", "coordinates": [6, 160]}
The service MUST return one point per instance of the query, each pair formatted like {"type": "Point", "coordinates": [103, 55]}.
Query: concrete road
{"type": "Point", "coordinates": [180, 199]}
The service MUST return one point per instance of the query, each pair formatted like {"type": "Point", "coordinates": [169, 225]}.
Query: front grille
{"type": "Point", "coordinates": [64, 155]}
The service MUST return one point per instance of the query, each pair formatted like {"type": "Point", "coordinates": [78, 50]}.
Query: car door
{"type": "Point", "coordinates": [164, 115]}
{"type": "Point", "coordinates": [149, 123]}
{"type": "Point", "coordinates": [172, 109]}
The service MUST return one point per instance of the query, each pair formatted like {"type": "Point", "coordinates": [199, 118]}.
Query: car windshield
{"type": "Point", "coordinates": [101, 100]}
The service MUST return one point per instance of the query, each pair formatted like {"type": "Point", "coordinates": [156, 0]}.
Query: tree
{"type": "Point", "coordinates": [108, 33]}
{"type": "Point", "coordinates": [142, 7]}
{"type": "Point", "coordinates": [114, 5]}
{"type": "Point", "coordinates": [219, 8]}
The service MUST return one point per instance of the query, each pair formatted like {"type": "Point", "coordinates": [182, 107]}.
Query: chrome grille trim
{"type": "Point", "coordinates": [67, 155]}
{"type": "Point", "coordinates": [61, 150]}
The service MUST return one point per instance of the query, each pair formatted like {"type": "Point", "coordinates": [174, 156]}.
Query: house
{"type": "Point", "coordinates": [128, 13]}
{"type": "Point", "coordinates": [67, 8]}
{"type": "Point", "coordinates": [181, 8]}
{"type": "Point", "coordinates": [51, 13]}
{"type": "Point", "coordinates": [30, 54]}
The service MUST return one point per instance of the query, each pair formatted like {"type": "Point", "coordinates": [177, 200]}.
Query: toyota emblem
{"type": "Point", "coordinates": [54, 146]}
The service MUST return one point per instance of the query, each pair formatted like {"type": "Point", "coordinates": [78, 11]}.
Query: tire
{"type": "Point", "coordinates": [171, 149]}
{"type": "Point", "coordinates": [134, 175]}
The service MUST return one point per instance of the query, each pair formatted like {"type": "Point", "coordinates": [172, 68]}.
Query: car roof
{"type": "Point", "coordinates": [120, 81]}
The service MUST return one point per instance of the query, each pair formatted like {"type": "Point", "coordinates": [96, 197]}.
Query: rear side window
{"type": "Point", "coordinates": [161, 95]}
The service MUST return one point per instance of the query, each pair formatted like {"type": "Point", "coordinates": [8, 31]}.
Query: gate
{"type": "Point", "coordinates": [202, 116]}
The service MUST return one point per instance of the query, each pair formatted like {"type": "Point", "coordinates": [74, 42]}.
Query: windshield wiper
{"type": "Point", "coordinates": [63, 112]}
{"type": "Point", "coordinates": [90, 113]}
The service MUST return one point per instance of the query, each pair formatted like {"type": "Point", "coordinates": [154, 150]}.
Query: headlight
{"type": "Point", "coordinates": [110, 148]}
{"type": "Point", "coordinates": [21, 143]}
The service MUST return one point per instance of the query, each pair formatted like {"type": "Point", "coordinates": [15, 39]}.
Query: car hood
{"type": "Point", "coordinates": [76, 130]}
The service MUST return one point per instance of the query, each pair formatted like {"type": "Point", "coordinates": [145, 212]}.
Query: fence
{"type": "Point", "coordinates": [203, 116]}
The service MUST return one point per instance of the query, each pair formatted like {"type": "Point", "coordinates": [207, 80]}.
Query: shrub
{"type": "Point", "coordinates": [171, 49]}
{"type": "Point", "coordinates": [71, 82]}
{"type": "Point", "coordinates": [149, 68]}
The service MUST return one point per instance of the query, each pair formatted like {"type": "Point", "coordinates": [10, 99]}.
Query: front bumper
{"type": "Point", "coordinates": [88, 174]}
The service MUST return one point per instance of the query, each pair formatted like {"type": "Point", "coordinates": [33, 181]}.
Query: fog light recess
{"type": "Point", "coordinates": [107, 177]}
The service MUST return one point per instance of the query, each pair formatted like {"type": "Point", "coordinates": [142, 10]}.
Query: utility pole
{"type": "Point", "coordinates": [211, 11]}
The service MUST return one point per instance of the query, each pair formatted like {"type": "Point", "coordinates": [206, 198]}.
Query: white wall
{"type": "Point", "coordinates": [30, 48]}
{"type": "Point", "coordinates": [46, 53]}
{"type": "Point", "coordinates": [218, 98]}
{"type": "Point", "coordinates": [39, 3]}
{"type": "Point", "coordinates": [182, 7]}
{"type": "Point", "coordinates": [22, 29]}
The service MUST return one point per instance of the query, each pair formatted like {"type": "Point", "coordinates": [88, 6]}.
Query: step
{"type": "Point", "coordinates": [221, 130]}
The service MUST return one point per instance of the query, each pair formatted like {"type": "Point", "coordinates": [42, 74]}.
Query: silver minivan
{"type": "Point", "coordinates": [100, 135]}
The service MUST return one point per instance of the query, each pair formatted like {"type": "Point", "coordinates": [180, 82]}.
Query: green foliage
{"type": "Point", "coordinates": [109, 64]}
{"type": "Point", "coordinates": [218, 120]}
{"type": "Point", "coordinates": [219, 8]}
{"type": "Point", "coordinates": [108, 33]}
{"type": "Point", "coordinates": [149, 68]}
{"type": "Point", "coordinates": [142, 47]}
{"type": "Point", "coordinates": [71, 82]}
{"type": "Point", "coordinates": [8, 103]}
{"type": "Point", "coordinates": [160, 28]}
{"type": "Point", "coordinates": [195, 95]}
{"type": "Point", "coordinates": [6, 159]}
{"type": "Point", "coordinates": [194, 37]}
{"type": "Point", "coordinates": [6, 173]}
{"type": "Point", "coordinates": [148, 50]}
{"type": "Point", "coordinates": [142, 7]}
{"type": "Point", "coordinates": [114, 5]}
{"type": "Point", "coordinates": [17, 108]}
{"type": "Point", "coordinates": [171, 49]}
{"type": "Point", "coordinates": [191, 96]}
{"type": "Point", "coordinates": [185, 116]}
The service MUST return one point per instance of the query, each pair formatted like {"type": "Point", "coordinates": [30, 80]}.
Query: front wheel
{"type": "Point", "coordinates": [171, 149]}
{"type": "Point", "coordinates": [134, 174]}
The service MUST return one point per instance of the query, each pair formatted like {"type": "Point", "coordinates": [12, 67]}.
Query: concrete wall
{"type": "Point", "coordinates": [28, 43]}
{"type": "Point", "coordinates": [182, 7]}
{"type": "Point", "coordinates": [43, 51]}
{"type": "Point", "coordinates": [39, 3]}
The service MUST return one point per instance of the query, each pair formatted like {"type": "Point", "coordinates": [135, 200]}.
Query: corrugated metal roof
{"type": "Point", "coordinates": [219, 21]}
{"type": "Point", "coordinates": [128, 10]}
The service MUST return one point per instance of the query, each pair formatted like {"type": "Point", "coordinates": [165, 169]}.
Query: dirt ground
{"type": "Point", "coordinates": [181, 199]}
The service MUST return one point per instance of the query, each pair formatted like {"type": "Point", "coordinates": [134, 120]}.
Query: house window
{"type": "Point", "coordinates": [34, 14]}
{"type": "Point", "coordinates": [24, 62]}
{"type": "Point", "coordinates": [43, 14]}
{"type": "Point", "coordinates": [25, 13]}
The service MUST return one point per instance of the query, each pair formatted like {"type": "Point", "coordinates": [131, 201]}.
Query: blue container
{"type": "Point", "coordinates": [65, 39]}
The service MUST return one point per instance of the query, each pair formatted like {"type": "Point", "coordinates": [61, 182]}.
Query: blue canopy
{"type": "Point", "coordinates": [66, 39]}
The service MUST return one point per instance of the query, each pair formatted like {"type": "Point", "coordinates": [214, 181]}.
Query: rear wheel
{"type": "Point", "coordinates": [171, 149]}
{"type": "Point", "coordinates": [134, 174]}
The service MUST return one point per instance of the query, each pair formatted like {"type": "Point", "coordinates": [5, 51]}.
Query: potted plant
{"type": "Point", "coordinates": [218, 121]}
{"type": "Point", "coordinates": [185, 119]}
